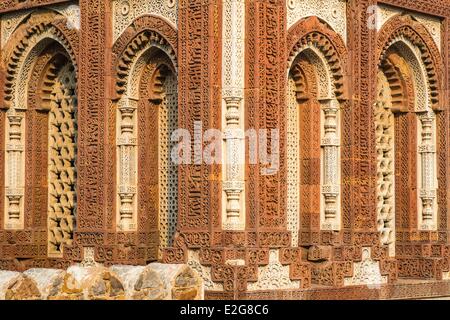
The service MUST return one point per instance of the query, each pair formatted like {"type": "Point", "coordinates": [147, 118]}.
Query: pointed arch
{"type": "Point", "coordinates": [410, 89]}
{"type": "Point", "coordinates": [316, 89]}
{"type": "Point", "coordinates": [146, 107]}
{"type": "Point", "coordinates": [35, 89]}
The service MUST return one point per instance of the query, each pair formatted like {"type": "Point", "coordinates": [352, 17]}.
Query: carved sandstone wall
{"type": "Point", "coordinates": [356, 195]}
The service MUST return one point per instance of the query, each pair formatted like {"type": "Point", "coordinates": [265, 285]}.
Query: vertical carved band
{"type": "Point", "coordinates": [233, 92]}
{"type": "Point", "coordinates": [330, 163]}
{"type": "Point", "coordinates": [127, 155]}
{"type": "Point", "coordinates": [427, 152]}
{"type": "Point", "coordinates": [15, 170]}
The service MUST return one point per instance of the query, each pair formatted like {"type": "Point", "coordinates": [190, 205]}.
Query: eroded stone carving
{"type": "Point", "coordinates": [204, 272]}
{"type": "Point", "coordinates": [366, 272]}
{"type": "Point", "coordinates": [273, 276]}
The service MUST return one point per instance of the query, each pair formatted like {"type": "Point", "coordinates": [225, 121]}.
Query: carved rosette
{"type": "Point", "coordinates": [233, 84]}
{"type": "Point", "coordinates": [330, 160]}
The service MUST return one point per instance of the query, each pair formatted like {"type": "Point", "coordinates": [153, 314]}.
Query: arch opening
{"type": "Point", "coordinates": [406, 144]}
{"type": "Point", "coordinates": [147, 179]}
{"type": "Point", "coordinates": [313, 144]}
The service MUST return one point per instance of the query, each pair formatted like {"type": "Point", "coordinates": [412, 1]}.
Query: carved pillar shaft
{"type": "Point", "coordinates": [15, 173]}
{"type": "Point", "coordinates": [330, 177]}
{"type": "Point", "coordinates": [234, 183]}
{"type": "Point", "coordinates": [427, 151]}
{"type": "Point", "coordinates": [127, 175]}
{"type": "Point", "coordinates": [233, 88]}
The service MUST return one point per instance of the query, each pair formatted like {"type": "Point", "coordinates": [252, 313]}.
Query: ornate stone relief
{"type": "Point", "coordinates": [62, 173]}
{"type": "Point", "coordinates": [127, 164]}
{"type": "Point", "coordinates": [202, 271]}
{"type": "Point", "coordinates": [168, 171]}
{"type": "Point", "coordinates": [330, 218]}
{"type": "Point", "coordinates": [334, 12]}
{"type": "Point", "coordinates": [384, 131]}
{"type": "Point", "coordinates": [10, 21]}
{"type": "Point", "coordinates": [125, 11]}
{"type": "Point", "coordinates": [330, 132]}
{"type": "Point", "coordinates": [427, 180]}
{"type": "Point", "coordinates": [293, 165]}
{"type": "Point", "coordinates": [273, 276]}
{"type": "Point", "coordinates": [19, 70]}
{"type": "Point", "coordinates": [432, 24]}
{"type": "Point", "coordinates": [366, 272]}
{"type": "Point", "coordinates": [15, 169]}
{"type": "Point", "coordinates": [141, 49]}
{"type": "Point", "coordinates": [428, 170]}
{"type": "Point", "coordinates": [233, 60]}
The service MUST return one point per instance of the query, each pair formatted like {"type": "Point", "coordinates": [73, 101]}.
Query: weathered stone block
{"type": "Point", "coordinates": [97, 283]}
{"type": "Point", "coordinates": [16, 286]}
{"type": "Point", "coordinates": [184, 283]}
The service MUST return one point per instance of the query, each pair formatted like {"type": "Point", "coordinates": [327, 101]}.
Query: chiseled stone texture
{"type": "Point", "coordinates": [184, 282]}
{"type": "Point", "coordinates": [152, 282]}
{"type": "Point", "coordinates": [17, 286]}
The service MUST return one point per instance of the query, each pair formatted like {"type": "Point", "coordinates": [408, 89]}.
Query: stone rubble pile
{"type": "Point", "coordinates": [119, 282]}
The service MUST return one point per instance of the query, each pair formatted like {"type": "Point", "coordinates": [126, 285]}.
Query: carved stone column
{"type": "Point", "coordinates": [233, 93]}
{"type": "Point", "coordinates": [127, 166]}
{"type": "Point", "coordinates": [15, 170]}
{"type": "Point", "coordinates": [427, 151]}
{"type": "Point", "coordinates": [234, 184]}
{"type": "Point", "coordinates": [330, 219]}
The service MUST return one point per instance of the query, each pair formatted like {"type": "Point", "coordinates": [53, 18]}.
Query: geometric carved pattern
{"type": "Point", "coordinates": [432, 24]}
{"type": "Point", "coordinates": [11, 20]}
{"type": "Point", "coordinates": [366, 272]}
{"type": "Point", "coordinates": [168, 171]}
{"type": "Point", "coordinates": [408, 59]}
{"type": "Point", "coordinates": [239, 256]}
{"type": "Point", "coordinates": [293, 165]}
{"type": "Point", "coordinates": [125, 11]}
{"type": "Point", "coordinates": [384, 130]}
{"type": "Point", "coordinates": [21, 55]}
{"type": "Point", "coordinates": [333, 12]}
{"type": "Point", "coordinates": [139, 51]}
{"type": "Point", "coordinates": [405, 27]}
{"type": "Point", "coordinates": [315, 34]}
{"type": "Point", "coordinates": [31, 38]}
{"type": "Point", "coordinates": [274, 275]}
{"type": "Point", "coordinates": [62, 161]}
